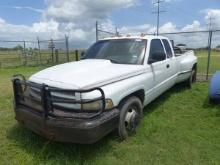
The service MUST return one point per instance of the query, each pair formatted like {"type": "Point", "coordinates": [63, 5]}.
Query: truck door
{"type": "Point", "coordinates": [171, 63]}
{"type": "Point", "coordinates": [160, 66]}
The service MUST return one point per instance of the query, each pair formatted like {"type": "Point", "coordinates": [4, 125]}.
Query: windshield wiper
{"type": "Point", "coordinates": [114, 61]}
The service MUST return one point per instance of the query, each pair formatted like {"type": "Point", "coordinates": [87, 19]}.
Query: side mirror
{"type": "Point", "coordinates": [156, 57]}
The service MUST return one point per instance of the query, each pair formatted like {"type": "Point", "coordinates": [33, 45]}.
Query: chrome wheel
{"type": "Point", "coordinates": [192, 78]}
{"type": "Point", "coordinates": [132, 120]}
{"type": "Point", "coordinates": [131, 112]}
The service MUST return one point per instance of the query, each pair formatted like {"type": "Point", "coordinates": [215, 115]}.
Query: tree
{"type": "Point", "coordinates": [18, 47]}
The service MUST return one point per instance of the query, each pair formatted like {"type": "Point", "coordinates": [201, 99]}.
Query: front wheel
{"type": "Point", "coordinates": [192, 78]}
{"type": "Point", "coordinates": [131, 112]}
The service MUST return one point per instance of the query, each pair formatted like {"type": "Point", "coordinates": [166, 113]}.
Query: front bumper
{"type": "Point", "coordinates": [36, 106]}
{"type": "Point", "coordinates": [83, 131]}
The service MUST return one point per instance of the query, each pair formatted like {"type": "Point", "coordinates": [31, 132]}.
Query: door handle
{"type": "Point", "coordinates": [168, 66]}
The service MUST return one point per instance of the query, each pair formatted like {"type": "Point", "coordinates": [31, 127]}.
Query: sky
{"type": "Point", "coordinates": [29, 19]}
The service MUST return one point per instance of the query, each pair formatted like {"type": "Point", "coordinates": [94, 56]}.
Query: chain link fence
{"type": "Point", "coordinates": [102, 33]}
{"type": "Point", "coordinates": [206, 45]}
{"type": "Point", "coordinates": [215, 52]}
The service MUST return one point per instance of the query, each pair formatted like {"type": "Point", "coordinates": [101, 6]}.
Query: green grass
{"type": "Point", "coordinates": [15, 58]}
{"type": "Point", "coordinates": [180, 127]}
{"type": "Point", "coordinates": [203, 58]}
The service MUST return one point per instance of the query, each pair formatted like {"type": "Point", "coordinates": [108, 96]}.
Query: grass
{"type": "Point", "coordinates": [203, 58]}
{"type": "Point", "coordinates": [16, 58]}
{"type": "Point", "coordinates": [180, 127]}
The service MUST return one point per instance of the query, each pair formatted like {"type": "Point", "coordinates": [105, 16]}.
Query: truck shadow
{"type": "Point", "coordinates": [164, 97]}
{"type": "Point", "coordinates": [45, 150]}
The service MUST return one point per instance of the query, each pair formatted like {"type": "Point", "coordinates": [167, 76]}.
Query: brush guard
{"type": "Point", "coordinates": [20, 85]}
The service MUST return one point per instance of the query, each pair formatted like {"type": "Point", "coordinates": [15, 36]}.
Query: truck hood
{"type": "Point", "coordinates": [85, 74]}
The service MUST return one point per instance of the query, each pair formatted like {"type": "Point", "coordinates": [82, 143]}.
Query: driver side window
{"type": "Point", "coordinates": [157, 52]}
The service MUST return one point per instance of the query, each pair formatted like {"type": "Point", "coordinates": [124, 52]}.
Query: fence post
{"type": "Point", "coordinates": [67, 48]}
{"type": "Point", "coordinates": [52, 50]}
{"type": "Point", "coordinates": [24, 52]}
{"type": "Point", "coordinates": [97, 31]}
{"type": "Point", "coordinates": [57, 56]}
{"type": "Point", "coordinates": [209, 54]}
{"type": "Point", "coordinates": [77, 55]}
{"type": "Point", "coordinates": [39, 52]}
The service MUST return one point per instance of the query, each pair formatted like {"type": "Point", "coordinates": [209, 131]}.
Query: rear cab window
{"type": "Point", "coordinates": [167, 48]}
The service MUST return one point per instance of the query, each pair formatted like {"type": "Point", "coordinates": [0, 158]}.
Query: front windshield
{"type": "Point", "coordinates": [122, 51]}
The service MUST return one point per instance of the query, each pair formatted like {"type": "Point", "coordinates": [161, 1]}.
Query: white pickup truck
{"type": "Point", "coordinates": [83, 101]}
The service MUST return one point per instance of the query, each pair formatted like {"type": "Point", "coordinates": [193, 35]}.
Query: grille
{"type": "Point", "coordinates": [54, 102]}
{"type": "Point", "coordinates": [35, 95]}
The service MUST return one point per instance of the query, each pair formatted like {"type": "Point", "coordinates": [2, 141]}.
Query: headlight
{"type": "Point", "coordinates": [97, 105]}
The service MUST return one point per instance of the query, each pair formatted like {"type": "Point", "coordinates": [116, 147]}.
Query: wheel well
{"type": "Point", "coordinates": [194, 66]}
{"type": "Point", "coordinates": [139, 94]}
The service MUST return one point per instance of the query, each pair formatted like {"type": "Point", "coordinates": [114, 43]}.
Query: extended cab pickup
{"type": "Point", "coordinates": [83, 101]}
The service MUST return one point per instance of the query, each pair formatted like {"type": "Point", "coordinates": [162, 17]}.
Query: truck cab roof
{"type": "Point", "coordinates": [146, 37]}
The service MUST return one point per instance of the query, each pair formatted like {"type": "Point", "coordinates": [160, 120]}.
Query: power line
{"type": "Point", "coordinates": [158, 2]}
{"type": "Point", "coordinates": [186, 13]}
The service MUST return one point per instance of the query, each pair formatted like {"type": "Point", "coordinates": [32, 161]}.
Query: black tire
{"type": "Point", "coordinates": [131, 112]}
{"type": "Point", "coordinates": [192, 78]}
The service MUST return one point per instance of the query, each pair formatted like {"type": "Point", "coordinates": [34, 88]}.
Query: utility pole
{"type": "Point", "coordinates": [158, 2]}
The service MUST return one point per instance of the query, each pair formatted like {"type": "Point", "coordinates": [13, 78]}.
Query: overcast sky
{"type": "Point", "coordinates": [27, 19]}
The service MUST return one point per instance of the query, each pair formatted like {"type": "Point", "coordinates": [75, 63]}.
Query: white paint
{"type": "Point", "coordinates": [119, 80]}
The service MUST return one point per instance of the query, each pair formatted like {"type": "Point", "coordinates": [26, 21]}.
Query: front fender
{"type": "Point", "coordinates": [119, 90]}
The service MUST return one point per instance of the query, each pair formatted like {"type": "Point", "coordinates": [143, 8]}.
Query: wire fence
{"type": "Point", "coordinates": [101, 33]}
{"type": "Point", "coordinates": [206, 45]}
{"type": "Point", "coordinates": [39, 52]}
